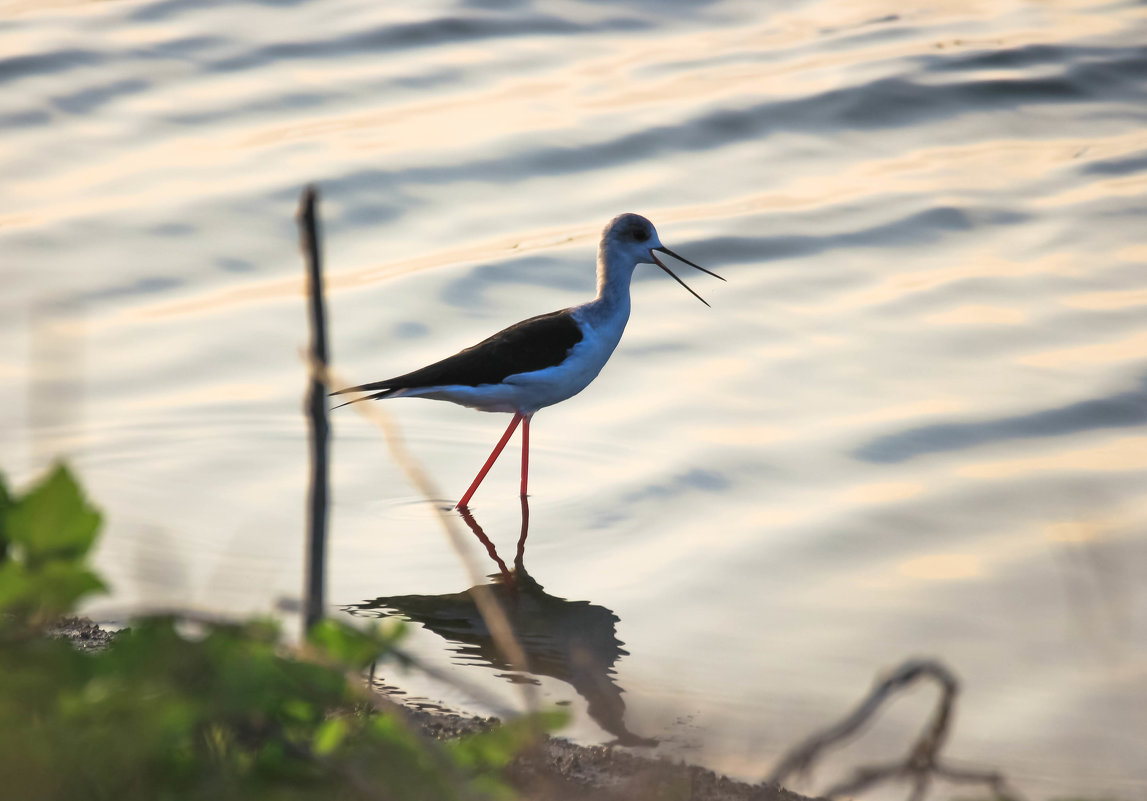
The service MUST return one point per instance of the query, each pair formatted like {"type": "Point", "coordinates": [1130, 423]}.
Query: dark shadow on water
{"type": "Point", "coordinates": [916, 228]}
{"type": "Point", "coordinates": [148, 285]}
{"type": "Point", "coordinates": [88, 100]}
{"type": "Point", "coordinates": [271, 103]}
{"type": "Point", "coordinates": [412, 35]}
{"type": "Point", "coordinates": [1123, 165]}
{"type": "Point", "coordinates": [51, 62]}
{"type": "Point", "coordinates": [18, 67]}
{"type": "Point", "coordinates": [24, 119]}
{"type": "Point", "coordinates": [168, 9]}
{"type": "Point", "coordinates": [1124, 409]}
{"type": "Point", "coordinates": [573, 641]}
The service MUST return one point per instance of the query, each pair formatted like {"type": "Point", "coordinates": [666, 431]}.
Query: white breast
{"type": "Point", "coordinates": [581, 366]}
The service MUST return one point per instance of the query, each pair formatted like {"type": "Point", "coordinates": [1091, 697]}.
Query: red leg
{"type": "Point", "coordinates": [490, 462]}
{"type": "Point", "coordinates": [525, 451]}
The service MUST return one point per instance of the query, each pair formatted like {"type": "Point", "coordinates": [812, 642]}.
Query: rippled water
{"type": "Point", "coordinates": [913, 421]}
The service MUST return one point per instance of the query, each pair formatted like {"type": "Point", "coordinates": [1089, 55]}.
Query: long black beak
{"type": "Point", "coordinates": [661, 264]}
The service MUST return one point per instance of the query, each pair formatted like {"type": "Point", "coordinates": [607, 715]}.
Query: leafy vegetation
{"type": "Point", "coordinates": [177, 708]}
{"type": "Point", "coordinates": [44, 537]}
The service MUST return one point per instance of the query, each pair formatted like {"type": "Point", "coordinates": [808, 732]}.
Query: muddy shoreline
{"type": "Point", "coordinates": [558, 770]}
{"type": "Point", "coordinates": [555, 769]}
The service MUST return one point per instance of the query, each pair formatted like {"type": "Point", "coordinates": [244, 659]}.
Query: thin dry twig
{"type": "Point", "coordinates": [487, 603]}
{"type": "Point", "coordinates": [922, 762]}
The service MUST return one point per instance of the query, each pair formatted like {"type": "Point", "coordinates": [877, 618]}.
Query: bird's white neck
{"type": "Point", "coordinates": [614, 273]}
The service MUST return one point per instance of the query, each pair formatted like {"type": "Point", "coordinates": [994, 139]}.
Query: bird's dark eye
{"type": "Point", "coordinates": [640, 234]}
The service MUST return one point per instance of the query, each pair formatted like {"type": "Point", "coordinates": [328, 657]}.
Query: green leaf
{"type": "Point", "coordinates": [346, 644]}
{"type": "Point", "coordinates": [496, 748]}
{"type": "Point", "coordinates": [52, 590]}
{"type": "Point", "coordinates": [330, 735]}
{"type": "Point", "coordinates": [53, 520]}
{"type": "Point", "coordinates": [177, 708]}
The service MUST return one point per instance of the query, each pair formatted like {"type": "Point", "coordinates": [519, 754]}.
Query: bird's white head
{"type": "Point", "coordinates": [628, 240]}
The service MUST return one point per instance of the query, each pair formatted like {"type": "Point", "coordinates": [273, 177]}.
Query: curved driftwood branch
{"type": "Point", "coordinates": [922, 762]}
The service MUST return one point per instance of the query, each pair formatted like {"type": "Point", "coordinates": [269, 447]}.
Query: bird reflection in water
{"type": "Point", "coordinates": [574, 641]}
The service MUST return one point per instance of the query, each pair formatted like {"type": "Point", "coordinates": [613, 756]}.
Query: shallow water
{"type": "Point", "coordinates": [913, 422]}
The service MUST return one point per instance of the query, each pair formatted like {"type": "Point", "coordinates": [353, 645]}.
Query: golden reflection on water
{"type": "Point", "coordinates": [771, 518]}
{"type": "Point", "coordinates": [416, 128]}
{"type": "Point", "coordinates": [178, 166]}
{"type": "Point", "coordinates": [979, 167]}
{"type": "Point", "coordinates": [1107, 300]}
{"type": "Point", "coordinates": [1094, 191]}
{"type": "Point", "coordinates": [941, 567]}
{"type": "Point", "coordinates": [278, 288]}
{"type": "Point", "coordinates": [997, 163]}
{"type": "Point", "coordinates": [216, 394]}
{"type": "Point", "coordinates": [512, 107]}
{"type": "Point", "coordinates": [981, 263]}
{"type": "Point", "coordinates": [1131, 349]}
{"type": "Point", "coordinates": [15, 8]}
{"type": "Point", "coordinates": [214, 300]}
{"type": "Point", "coordinates": [742, 435]}
{"type": "Point", "coordinates": [1075, 531]}
{"type": "Point", "coordinates": [886, 492]}
{"type": "Point", "coordinates": [1126, 454]}
{"type": "Point", "coordinates": [1134, 253]}
{"type": "Point", "coordinates": [978, 315]}
{"type": "Point", "coordinates": [929, 407]}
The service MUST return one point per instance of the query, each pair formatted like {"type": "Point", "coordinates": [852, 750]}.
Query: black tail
{"type": "Point", "coordinates": [364, 388]}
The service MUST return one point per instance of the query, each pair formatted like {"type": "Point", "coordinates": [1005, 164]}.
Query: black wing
{"type": "Point", "coordinates": [532, 344]}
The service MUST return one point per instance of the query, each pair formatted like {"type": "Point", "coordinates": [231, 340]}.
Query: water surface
{"type": "Point", "coordinates": [912, 423]}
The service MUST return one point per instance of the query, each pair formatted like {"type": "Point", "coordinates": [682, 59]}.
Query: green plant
{"type": "Point", "coordinates": [45, 537]}
{"type": "Point", "coordinates": [180, 708]}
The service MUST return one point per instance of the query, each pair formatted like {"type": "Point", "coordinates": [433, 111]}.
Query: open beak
{"type": "Point", "coordinates": [661, 264]}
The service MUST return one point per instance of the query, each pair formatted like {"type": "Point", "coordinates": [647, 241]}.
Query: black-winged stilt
{"type": "Point", "coordinates": [546, 359]}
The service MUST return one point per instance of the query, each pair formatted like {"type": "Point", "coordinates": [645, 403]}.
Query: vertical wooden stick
{"type": "Point", "coordinates": [316, 409]}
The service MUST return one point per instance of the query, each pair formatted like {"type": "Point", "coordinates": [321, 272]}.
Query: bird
{"type": "Point", "coordinates": [543, 360]}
